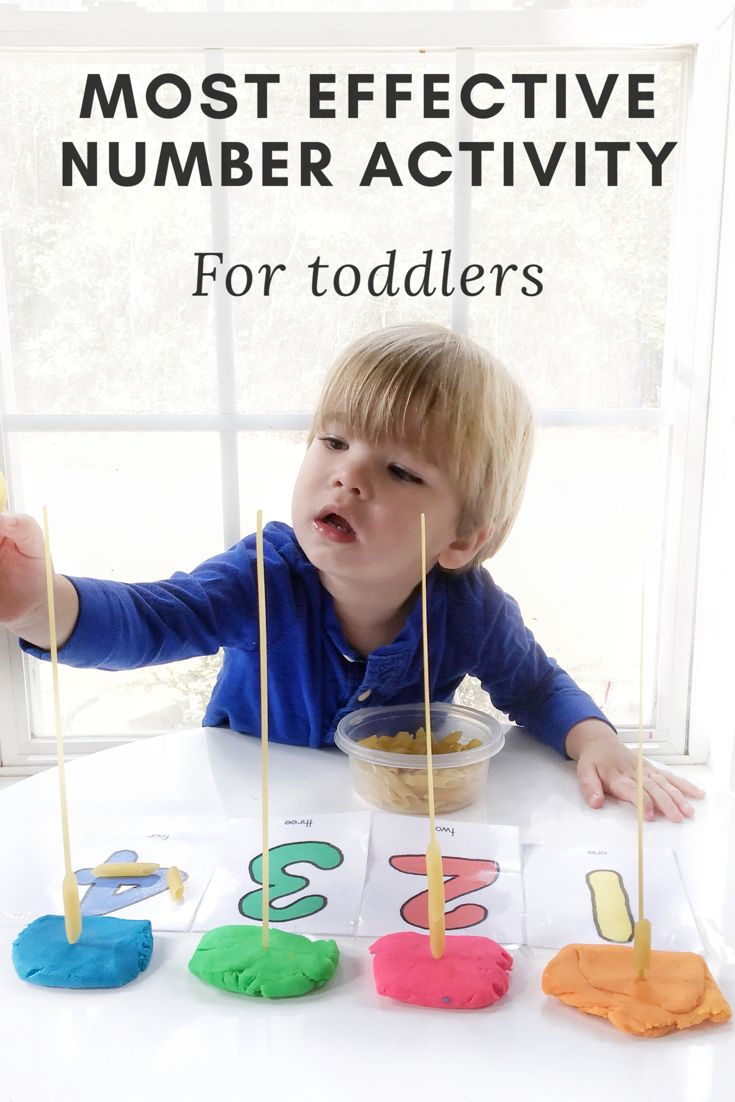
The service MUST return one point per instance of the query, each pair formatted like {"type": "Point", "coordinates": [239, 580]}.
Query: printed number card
{"type": "Point", "coordinates": [588, 895]}
{"type": "Point", "coordinates": [317, 872]}
{"type": "Point", "coordinates": [482, 873]}
{"type": "Point", "coordinates": [190, 851]}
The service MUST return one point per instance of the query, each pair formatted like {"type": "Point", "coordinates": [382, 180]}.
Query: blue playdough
{"type": "Point", "coordinates": [110, 952]}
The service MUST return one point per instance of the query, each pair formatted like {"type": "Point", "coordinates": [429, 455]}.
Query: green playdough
{"type": "Point", "coordinates": [233, 957]}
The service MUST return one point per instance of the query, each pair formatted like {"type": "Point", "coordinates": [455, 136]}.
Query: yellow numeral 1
{"type": "Point", "coordinates": [610, 905]}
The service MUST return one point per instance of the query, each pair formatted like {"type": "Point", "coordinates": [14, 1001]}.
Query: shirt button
{"type": "Point", "coordinates": [365, 695]}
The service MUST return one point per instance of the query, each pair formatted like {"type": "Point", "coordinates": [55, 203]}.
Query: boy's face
{"type": "Point", "coordinates": [356, 509]}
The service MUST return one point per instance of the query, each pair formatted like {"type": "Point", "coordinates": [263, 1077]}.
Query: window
{"type": "Point", "coordinates": [154, 423]}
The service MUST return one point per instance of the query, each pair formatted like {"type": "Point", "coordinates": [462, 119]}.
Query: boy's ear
{"type": "Point", "coordinates": [463, 549]}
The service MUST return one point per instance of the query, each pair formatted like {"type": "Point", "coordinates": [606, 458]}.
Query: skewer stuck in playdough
{"type": "Point", "coordinates": [264, 803]}
{"type": "Point", "coordinates": [61, 952]}
{"type": "Point", "coordinates": [70, 890]}
{"type": "Point", "coordinates": [640, 991]}
{"type": "Point", "coordinates": [462, 972]}
{"type": "Point", "coordinates": [434, 870]}
{"type": "Point", "coordinates": [251, 960]}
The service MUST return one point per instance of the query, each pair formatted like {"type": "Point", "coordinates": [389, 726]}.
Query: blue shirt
{"type": "Point", "coordinates": [315, 677]}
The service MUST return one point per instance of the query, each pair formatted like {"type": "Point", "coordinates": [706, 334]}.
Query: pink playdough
{"type": "Point", "coordinates": [473, 972]}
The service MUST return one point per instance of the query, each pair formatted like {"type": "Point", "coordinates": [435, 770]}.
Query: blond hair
{"type": "Point", "coordinates": [463, 404]}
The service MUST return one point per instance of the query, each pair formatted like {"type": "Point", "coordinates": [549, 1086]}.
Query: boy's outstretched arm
{"type": "Point", "coordinates": [23, 607]}
{"type": "Point", "coordinates": [604, 764]}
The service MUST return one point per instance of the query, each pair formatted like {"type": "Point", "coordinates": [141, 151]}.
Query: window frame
{"type": "Point", "coordinates": [706, 50]}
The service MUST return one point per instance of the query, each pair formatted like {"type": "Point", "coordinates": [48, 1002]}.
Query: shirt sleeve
{"type": "Point", "coordinates": [522, 680]}
{"type": "Point", "coordinates": [127, 625]}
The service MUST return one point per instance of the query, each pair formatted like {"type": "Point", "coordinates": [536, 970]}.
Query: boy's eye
{"type": "Point", "coordinates": [403, 475]}
{"type": "Point", "coordinates": [333, 443]}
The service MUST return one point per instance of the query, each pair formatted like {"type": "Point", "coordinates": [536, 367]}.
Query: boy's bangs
{"type": "Point", "coordinates": [447, 399]}
{"type": "Point", "coordinates": [381, 404]}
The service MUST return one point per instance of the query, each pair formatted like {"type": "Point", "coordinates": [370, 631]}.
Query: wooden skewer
{"type": "Point", "coordinates": [265, 868]}
{"type": "Point", "coordinates": [642, 929]}
{"type": "Point", "coordinates": [3, 491]}
{"type": "Point", "coordinates": [70, 890]}
{"type": "Point", "coordinates": [434, 871]}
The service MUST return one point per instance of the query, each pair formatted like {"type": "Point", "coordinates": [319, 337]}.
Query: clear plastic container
{"type": "Point", "coordinates": [399, 782]}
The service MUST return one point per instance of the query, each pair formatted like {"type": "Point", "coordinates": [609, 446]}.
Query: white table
{"type": "Point", "coordinates": [169, 1036]}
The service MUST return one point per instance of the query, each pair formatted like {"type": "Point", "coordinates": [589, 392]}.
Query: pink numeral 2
{"type": "Point", "coordinates": [462, 875]}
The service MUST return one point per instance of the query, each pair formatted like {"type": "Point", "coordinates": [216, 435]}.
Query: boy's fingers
{"type": "Point", "coordinates": [671, 793]}
{"type": "Point", "coordinates": [24, 532]}
{"type": "Point", "coordinates": [665, 803]}
{"type": "Point", "coordinates": [663, 792]}
{"type": "Point", "coordinates": [591, 785]}
{"type": "Point", "coordinates": [625, 788]}
{"type": "Point", "coordinates": [656, 797]}
{"type": "Point", "coordinates": [680, 783]}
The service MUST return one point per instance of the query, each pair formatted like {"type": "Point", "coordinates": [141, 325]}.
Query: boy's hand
{"type": "Point", "coordinates": [605, 765]}
{"type": "Point", "coordinates": [23, 605]}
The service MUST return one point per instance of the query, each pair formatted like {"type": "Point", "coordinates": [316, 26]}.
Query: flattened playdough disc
{"type": "Point", "coordinates": [678, 990]}
{"type": "Point", "coordinates": [109, 953]}
{"type": "Point", "coordinates": [473, 972]}
{"type": "Point", "coordinates": [233, 957]}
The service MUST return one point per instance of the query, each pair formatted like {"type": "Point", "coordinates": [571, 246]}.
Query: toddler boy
{"type": "Point", "coordinates": [412, 419]}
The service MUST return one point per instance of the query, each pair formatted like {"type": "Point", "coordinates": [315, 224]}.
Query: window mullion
{"type": "Point", "coordinates": [15, 731]}
{"type": "Point", "coordinates": [462, 194]}
{"type": "Point", "coordinates": [153, 422]}
{"type": "Point", "coordinates": [119, 28]}
{"type": "Point", "coordinates": [224, 342]}
{"type": "Point", "coordinates": [693, 280]}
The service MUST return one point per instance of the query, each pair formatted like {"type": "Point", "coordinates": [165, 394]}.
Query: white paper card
{"type": "Point", "coordinates": [192, 853]}
{"type": "Point", "coordinates": [317, 872]}
{"type": "Point", "coordinates": [481, 872]}
{"type": "Point", "coordinates": [585, 895]}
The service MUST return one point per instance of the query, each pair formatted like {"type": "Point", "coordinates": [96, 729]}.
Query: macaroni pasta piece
{"type": "Point", "coordinates": [406, 790]}
{"type": "Point", "coordinates": [406, 743]}
{"type": "Point", "coordinates": [125, 868]}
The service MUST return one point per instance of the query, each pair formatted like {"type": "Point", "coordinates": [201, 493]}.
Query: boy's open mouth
{"type": "Point", "coordinates": [334, 520]}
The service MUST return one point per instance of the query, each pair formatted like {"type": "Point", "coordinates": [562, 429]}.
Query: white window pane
{"type": "Point", "coordinates": [131, 507]}
{"type": "Point", "coordinates": [268, 464]}
{"type": "Point", "coordinates": [330, 5]}
{"type": "Point", "coordinates": [101, 703]}
{"type": "Point", "coordinates": [99, 279]}
{"type": "Point", "coordinates": [594, 337]}
{"type": "Point", "coordinates": [575, 558]}
{"type": "Point", "coordinates": [128, 506]}
{"type": "Point", "coordinates": [285, 341]}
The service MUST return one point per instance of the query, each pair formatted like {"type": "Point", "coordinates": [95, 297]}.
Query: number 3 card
{"type": "Point", "coordinates": [317, 871]}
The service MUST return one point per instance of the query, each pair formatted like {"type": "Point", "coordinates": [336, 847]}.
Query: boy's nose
{"type": "Point", "coordinates": [351, 484]}
{"type": "Point", "coordinates": [352, 476]}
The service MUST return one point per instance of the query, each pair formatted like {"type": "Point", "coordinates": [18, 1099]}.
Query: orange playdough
{"type": "Point", "coordinates": [677, 992]}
